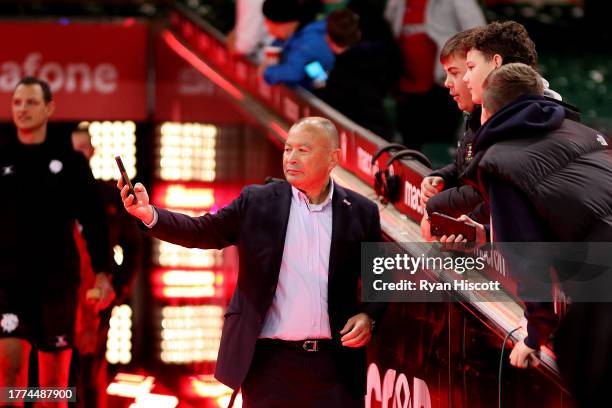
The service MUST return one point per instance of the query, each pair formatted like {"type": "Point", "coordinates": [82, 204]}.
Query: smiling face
{"type": "Point", "coordinates": [478, 68]}
{"type": "Point", "coordinates": [309, 157]}
{"type": "Point", "coordinates": [455, 68]}
{"type": "Point", "coordinates": [30, 111]}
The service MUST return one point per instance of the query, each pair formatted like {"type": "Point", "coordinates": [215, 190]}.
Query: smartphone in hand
{"type": "Point", "coordinates": [316, 72]}
{"type": "Point", "coordinates": [126, 179]}
{"type": "Point", "coordinates": [444, 225]}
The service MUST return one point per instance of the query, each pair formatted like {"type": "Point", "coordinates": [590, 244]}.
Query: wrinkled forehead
{"type": "Point", "coordinates": [307, 134]}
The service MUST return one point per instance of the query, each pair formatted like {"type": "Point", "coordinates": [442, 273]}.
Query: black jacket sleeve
{"type": "Point", "coordinates": [481, 213]}
{"type": "Point", "coordinates": [455, 201]}
{"type": "Point", "coordinates": [374, 309]}
{"type": "Point", "coordinates": [449, 174]}
{"type": "Point", "coordinates": [516, 220]}
{"type": "Point", "coordinates": [91, 215]}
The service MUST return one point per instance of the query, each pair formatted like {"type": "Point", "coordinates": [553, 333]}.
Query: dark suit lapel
{"type": "Point", "coordinates": [279, 219]}
{"type": "Point", "coordinates": [341, 212]}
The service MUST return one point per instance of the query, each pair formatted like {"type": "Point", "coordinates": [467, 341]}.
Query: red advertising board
{"type": "Point", "coordinates": [95, 70]}
{"type": "Point", "coordinates": [182, 94]}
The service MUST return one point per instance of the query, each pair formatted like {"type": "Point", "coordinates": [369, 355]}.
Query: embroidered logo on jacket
{"type": "Point", "coordinates": [8, 170]}
{"type": "Point", "coordinates": [56, 166]}
{"type": "Point", "coordinates": [9, 322]}
{"type": "Point", "coordinates": [60, 341]}
{"type": "Point", "coordinates": [602, 140]}
{"type": "Point", "coordinates": [468, 152]}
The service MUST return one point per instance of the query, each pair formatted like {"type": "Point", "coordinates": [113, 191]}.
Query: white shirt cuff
{"type": "Point", "coordinates": [152, 224]}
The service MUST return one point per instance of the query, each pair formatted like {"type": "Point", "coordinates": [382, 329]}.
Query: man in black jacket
{"type": "Point", "coordinates": [294, 331]}
{"type": "Point", "coordinates": [547, 179]}
{"type": "Point", "coordinates": [46, 187]}
{"type": "Point", "coordinates": [362, 76]}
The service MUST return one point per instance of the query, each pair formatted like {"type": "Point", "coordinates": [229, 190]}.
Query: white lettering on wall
{"type": "Point", "coordinates": [395, 391]}
{"type": "Point", "coordinates": [364, 161]}
{"type": "Point", "coordinates": [343, 146]}
{"type": "Point", "coordinates": [191, 82]}
{"type": "Point", "coordinates": [69, 78]}
{"type": "Point", "coordinates": [411, 197]}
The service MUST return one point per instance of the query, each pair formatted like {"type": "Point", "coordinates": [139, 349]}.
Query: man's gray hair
{"type": "Point", "coordinates": [318, 123]}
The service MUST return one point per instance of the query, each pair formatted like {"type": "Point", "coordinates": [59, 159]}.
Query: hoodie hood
{"type": "Point", "coordinates": [551, 93]}
{"type": "Point", "coordinates": [527, 115]}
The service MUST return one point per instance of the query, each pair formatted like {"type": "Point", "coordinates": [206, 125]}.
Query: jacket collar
{"type": "Point", "coordinates": [341, 218]}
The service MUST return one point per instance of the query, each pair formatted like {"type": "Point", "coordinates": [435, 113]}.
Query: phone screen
{"type": "Point", "coordinates": [124, 176]}
{"type": "Point", "coordinates": [315, 71]}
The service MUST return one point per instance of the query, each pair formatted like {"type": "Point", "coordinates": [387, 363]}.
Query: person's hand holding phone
{"type": "Point", "coordinates": [458, 242]}
{"type": "Point", "coordinates": [135, 198]}
{"type": "Point", "coordinates": [139, 208]}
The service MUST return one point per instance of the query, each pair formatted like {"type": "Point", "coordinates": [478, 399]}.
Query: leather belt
{"type": "Point", "coordinates": [308, 345]}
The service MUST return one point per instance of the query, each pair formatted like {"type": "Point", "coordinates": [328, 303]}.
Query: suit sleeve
{"type": "Point", "coordinates": [209, 231]}
{"type": "Point", "coordinates": [91, 215]}
{"type": "Point", "coordinates": [374, 309]}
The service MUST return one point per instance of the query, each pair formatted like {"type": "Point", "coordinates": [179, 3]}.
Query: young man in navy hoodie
{"type": "Point", "coordinates": [547, 178]}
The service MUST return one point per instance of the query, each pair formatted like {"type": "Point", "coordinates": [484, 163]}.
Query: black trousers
{"type": "Point", "coordinates": [280, 377]}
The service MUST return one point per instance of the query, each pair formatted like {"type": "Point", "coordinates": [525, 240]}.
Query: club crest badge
{"type": "Point", "coordinates": [55, 166]}
{"type": "Point", "coordinates": [9, 322]}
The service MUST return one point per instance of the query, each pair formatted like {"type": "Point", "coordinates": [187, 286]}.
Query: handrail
{"type": "Point", "coordinates": [357, 143]}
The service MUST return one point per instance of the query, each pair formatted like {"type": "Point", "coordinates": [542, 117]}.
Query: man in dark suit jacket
{"type": "Point", "coordinates": [294, 331]}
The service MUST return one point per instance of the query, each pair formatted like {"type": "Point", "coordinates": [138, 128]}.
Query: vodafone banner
{"type": "Point", "coordinates": [96, 70]}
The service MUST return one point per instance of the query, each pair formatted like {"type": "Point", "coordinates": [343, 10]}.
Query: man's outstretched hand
{"type": "Point", "coordinates": [139, 208]}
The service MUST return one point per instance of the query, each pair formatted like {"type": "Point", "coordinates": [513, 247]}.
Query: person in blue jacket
{"type": "Point", "coordinates": [304, 43]}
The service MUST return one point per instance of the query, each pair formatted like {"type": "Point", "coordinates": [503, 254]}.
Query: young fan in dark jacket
{"type": "Point", "coordinates": [547, 178]}
{"type": "Point", "coordinates": [362, 75]}
{"type": "Point", "coordinates": [443, 191]}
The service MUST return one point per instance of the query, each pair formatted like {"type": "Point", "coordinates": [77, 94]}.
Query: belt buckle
{"type": "Point", "coordinates": [311, 345]}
